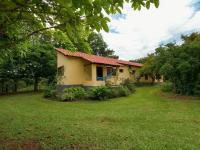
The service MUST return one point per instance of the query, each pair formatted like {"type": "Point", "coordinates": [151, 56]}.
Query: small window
{"type": "Point", "coordinates": [121, 70]}
{"type": "Point", "coordinates": [61, 71]}
{"type": "Point", "coordinates": [146, 77]}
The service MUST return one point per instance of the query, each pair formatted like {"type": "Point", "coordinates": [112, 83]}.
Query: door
{"type": "Point", "coordinates": [99, 73]}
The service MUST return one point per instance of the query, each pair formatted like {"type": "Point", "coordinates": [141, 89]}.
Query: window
{"type": "Point", "coordinates": [109, 71]}
{"type": "Point", "coordinates": [146, 77]}
{"type": "Point", "coordinates": [61, 71]}
{"type": "Point", "coordinates": [121, 70]}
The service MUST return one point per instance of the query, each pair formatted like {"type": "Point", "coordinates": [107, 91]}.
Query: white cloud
{"type": "Point", "coordinates": [140, 32]}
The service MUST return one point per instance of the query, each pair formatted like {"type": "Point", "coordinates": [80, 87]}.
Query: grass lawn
{"type": "Point", "coordinates": [141, 121]}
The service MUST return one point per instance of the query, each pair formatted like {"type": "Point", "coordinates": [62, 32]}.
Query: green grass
{"type": "Point", "coordinates": [143, 120]}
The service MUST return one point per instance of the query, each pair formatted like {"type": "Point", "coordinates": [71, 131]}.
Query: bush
{"type": "Point", "coordinates": [122, 91]}
{"type": "Point", "coordinates": [97, 93]}
{"type": "Point", "coordinates": [114, 92]}
{"type": "Point", "coordinates": [100, 93]}
{"type": "Point", "coordinates": [130, 85]}
{"type": "Point", "coordinates": [67, 97]}
{"type": "Point", "coordinates": [50, 92]}
{"type": "Point", "coordinates": [74, 93]}
{"type": "Point", "coordinates": [167, 87]}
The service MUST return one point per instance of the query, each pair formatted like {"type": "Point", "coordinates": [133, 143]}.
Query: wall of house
{"type": "Point", "coordinates": [78, 71]}
{"type": "Point", "coordinates": [93, 81]}
{"type": "Point", "coordinates": [74, 73]}
{"type": "Point", "coordinates": [123, 75]}
{"type": "Point", "coordinates": [88, 71]}
{"type": "Point", "coordinates": [128, 75]}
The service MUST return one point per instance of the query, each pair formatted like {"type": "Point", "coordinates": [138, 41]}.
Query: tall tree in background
{"type": "Point", "coordinates": [99, 46]}
{"type": "Point", "coordinates": [38, 61]}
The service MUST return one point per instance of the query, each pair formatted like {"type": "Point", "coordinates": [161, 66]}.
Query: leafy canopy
{"type": "Point", "coordinates": [20, 19]}
{"type": "Point", "coordinates": [179, 64]}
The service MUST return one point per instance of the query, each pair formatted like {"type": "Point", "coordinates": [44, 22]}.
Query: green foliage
{"type": "Point", "coordinates": [149, 68]}
{"type": "Point", "coordinates": [99, 46]}
{"type": "Point", "coordinates": [197, 87]}
{"type": "Point", "coordinates": [129, 84]}
{"type": "Point", "coordinates": [122, 91]}
{"type": "Point", "coordinates": [50, 93]}
{"type": "Point", "coordinates": [38, 61]}
{"type": "Point", "coordinates": [73, 93]}
{"type": "Point", "coordinates": [60, 39]}
{"type": "Point", "coordinates": [100, 93]}
{"type": "Point", "coordinates": [177, 63]}
{"type": "Point", "coordinates": [167, 70]}
{"type": "Point", "coordinates": [19, 20]}
{"type": "Point", "coordinates": [141, 60]}
{"type": "Point", "coordinates": [167, 87]}
{"type": "Point", "coordinates": [95, 93]}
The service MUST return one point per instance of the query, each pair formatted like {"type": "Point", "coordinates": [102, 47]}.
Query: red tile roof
{"type": "Point", "coordinates": [129, 63]}
{"type": "Point", "coordinates": [98, 59]}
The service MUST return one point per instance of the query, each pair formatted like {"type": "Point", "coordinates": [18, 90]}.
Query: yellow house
{"type": "Point", "coordinates": [81, 69]}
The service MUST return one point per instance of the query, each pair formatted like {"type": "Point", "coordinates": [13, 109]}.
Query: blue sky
{"type": "Point", "coordinates": [134, 34]}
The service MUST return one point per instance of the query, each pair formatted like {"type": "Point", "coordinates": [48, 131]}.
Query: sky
{"type": "Point", "coordinates": [134, 34]}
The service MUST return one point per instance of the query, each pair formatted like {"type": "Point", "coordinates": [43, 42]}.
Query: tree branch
{"type": "Point", "coordinates": [39, 30]}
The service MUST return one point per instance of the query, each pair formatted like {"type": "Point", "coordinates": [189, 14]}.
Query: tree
{"type": "Point", "coordinates": [40, 63]}
{"type": "Point", "coordinates": [20, 19]}
{"type": "Point", "coordinates": [36, 62]}
{"type": "Point", "coordinates": [99, 46]}
{"type": "Point", "coordinates": [12, 69]}
{"type": "Point", "coordinates": [149, 68]}
{"type": "Point", "coordinates": [140, 60]}
{"type": "Point", "coordinates": [180, 64]}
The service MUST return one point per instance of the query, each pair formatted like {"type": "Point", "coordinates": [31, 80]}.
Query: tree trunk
{"type": "Point", "coordinates": [6, 88]}
{"type": "Point", "coordinates": [15, 86]}
{"type": "Point", "coordinates": [2, 86]}
{"type": "Point", "coordinates": [153, 80]}
{"type": "Point", "coordinates": [36, 84]}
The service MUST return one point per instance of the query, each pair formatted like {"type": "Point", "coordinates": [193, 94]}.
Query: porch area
{"type": "Point", "coordinates": [98, 75]}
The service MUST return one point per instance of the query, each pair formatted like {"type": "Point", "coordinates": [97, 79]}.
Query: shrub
{"type": "Point", "coordinates": [167, 87]}
{"type": "Point", "coordinates": [130, 85]}
{"type": "Point", "coordinates": [100, 93]}
{"type": "Point", "coordinates": [114, 92]}
{"type": "Point", "coordinates": [122, 91]}
{"type": "Point", "coordinates": [50, 92]}
{"type": "Point", "coordinates": [74, 93]}
{"type": "Point", "coordinates": [97, 93]}
{"type": "Point", "coordinates": [67, 96]}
